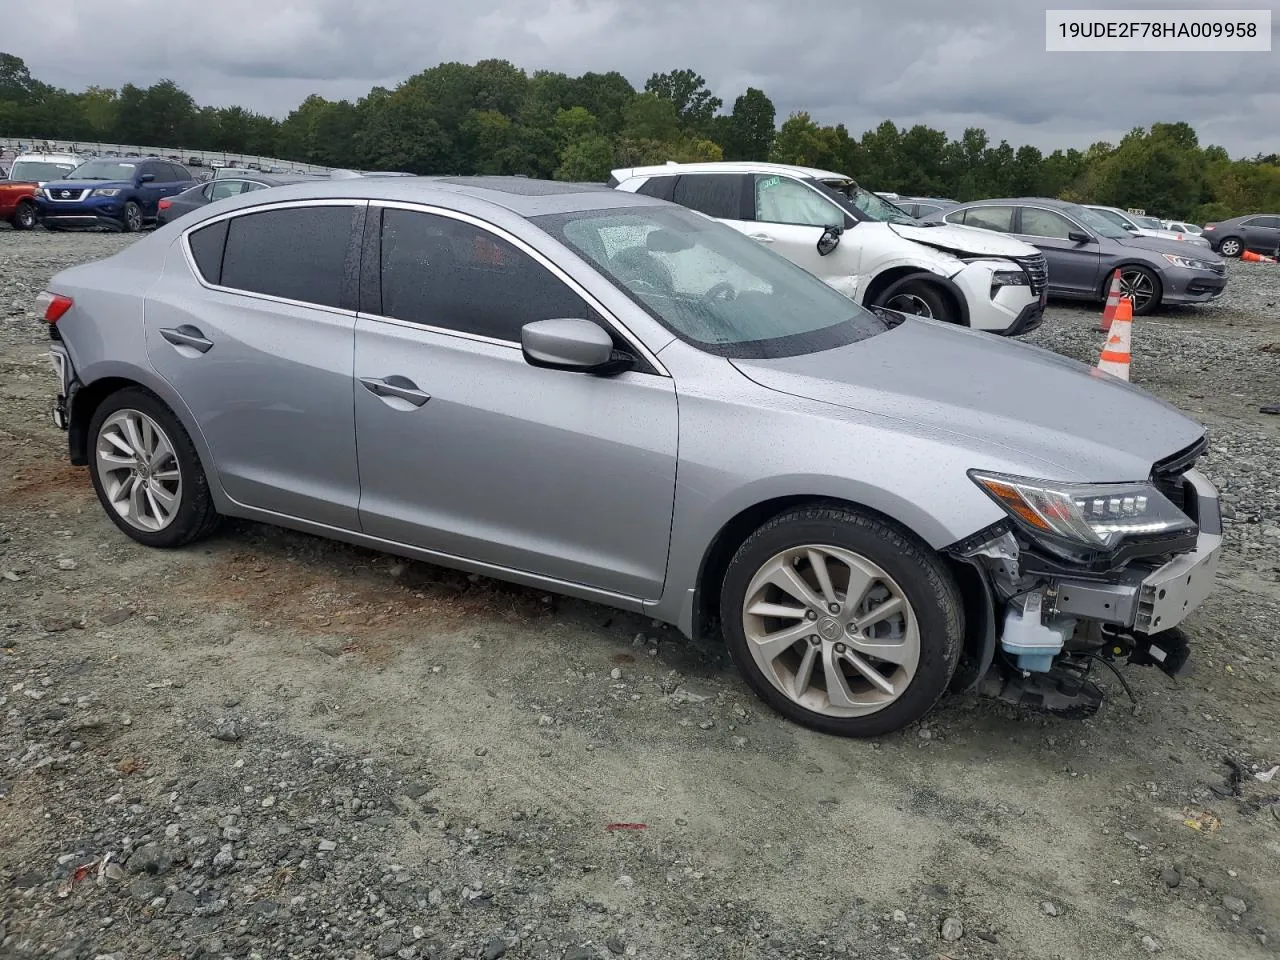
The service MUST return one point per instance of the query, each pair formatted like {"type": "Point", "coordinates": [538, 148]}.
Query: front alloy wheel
{"type": "Point", "coordinates": [1141, 287]}
{"type": "Point", "coordinates": [831, 630]}
{"type": "Point", "coordinates": [841, 620]}
{"type": "Point", "coordinates": [25, 217]}
{"type": "Point", "coordinates": [138, 470]}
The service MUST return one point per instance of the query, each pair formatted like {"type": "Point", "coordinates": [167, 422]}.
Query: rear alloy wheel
{"type": "Point", "coordinates": [132, 217]}
{"type": "Point", "coordinates": [1230, 247]}
{"type": "Point", "coordinates": [917, 297]}
{"type": "Point", "coordinates": [1142, 287]}
{"type": "Point", "coordinates": [24, 218]}
{"type": "Point", "coordinates": [841, 621]}
{"type": "Point", "coordinates": [146, 471]}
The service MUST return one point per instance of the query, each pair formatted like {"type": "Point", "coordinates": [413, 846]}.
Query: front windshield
{"type": "Point", "coordinates": [1149, 223]}
{"type": "Point", "coordinates": [39, 170]}
{"type": "Point", "coordinates": [868, 206]}
{"type": "Point", "coordinates": [711, 286]}
{"type": "Point", "coordinates": [104, 170]}
{"type": "Point", "coordinates": [1098, 222]}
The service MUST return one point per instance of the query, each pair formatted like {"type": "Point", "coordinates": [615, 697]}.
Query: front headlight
{"type": "Point", "coordinates": [1191, 263]}
{"type": "Point", "coordinates": [1008, 278]}
{"type": "Point", "coordinates": [106, 191]}
{"type": "Point", "coordinates": [1092, 514]}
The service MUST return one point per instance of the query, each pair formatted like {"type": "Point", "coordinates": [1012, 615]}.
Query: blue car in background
{"type": "Point", "coordinates": [111, 192]}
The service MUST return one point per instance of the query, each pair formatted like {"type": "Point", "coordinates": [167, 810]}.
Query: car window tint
{"type": "Point", "coordinates": [158, 170]}
{"type": "Point", "coordinates": [955, 216]}
{"type": "Point", "coordinates": [296, 253]}
{"type": "Point", "coordinates": [926, 210]}
{"type": "Point", "coordinates": [1271, 222]}
{"type": "Point", "coordinates": [222, 189]}
{"type": "Point", "coordinates": [179, 172]}
{"type": "Point", "coordinates": [1046, 223]}
{"type": "Point", "coordinates": [658, 187]}
{"type": "Point", "coordinates": [206, 248]}
{"type": "Point", "coordinates": [445, 273]}
{"type": "Point", "coordinates": [715, 194]}
{"type": "Point", "coordinates": [783, 200]}
{"type": "Point", "coordinates": [989, 218]}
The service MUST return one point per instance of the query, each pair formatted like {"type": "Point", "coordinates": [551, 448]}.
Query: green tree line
{"type": "Point", "coordinates": [494, 118]}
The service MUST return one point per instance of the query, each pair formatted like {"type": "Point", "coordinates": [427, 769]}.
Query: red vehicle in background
{"type": "Point", "coordinates": [26, 175]}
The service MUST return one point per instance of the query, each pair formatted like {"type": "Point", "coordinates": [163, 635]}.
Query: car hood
{"type": "Point", "coordinates": [87, 184]}
{"type": "Point", "coordinates": [1181, 247]}
{"type": "Point", "coordinates": [1061, 418]}
{"type": "Point", "coordinates": [967, 241]}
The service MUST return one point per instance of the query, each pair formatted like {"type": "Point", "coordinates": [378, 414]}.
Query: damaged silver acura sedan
{"type": "Point", "coordinates": [616, 398]}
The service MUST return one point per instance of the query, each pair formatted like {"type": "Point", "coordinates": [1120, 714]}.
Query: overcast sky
{"type": "Point", "coordinates": [945, 63]}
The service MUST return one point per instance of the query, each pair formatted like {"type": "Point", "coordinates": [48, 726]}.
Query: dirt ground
{"type": "Point", "coordinates": [269, 745]}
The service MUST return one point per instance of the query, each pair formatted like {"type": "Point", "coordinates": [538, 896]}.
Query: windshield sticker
{"type": "Point", "coordinates": [771, 182]}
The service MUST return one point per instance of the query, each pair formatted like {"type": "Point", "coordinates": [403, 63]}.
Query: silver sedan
{"type": "Point", "coordinates": [616, 398]}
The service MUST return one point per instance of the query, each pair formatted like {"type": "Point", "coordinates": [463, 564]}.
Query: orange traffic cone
{"type": "Point", "coordinates": [1248, 256]}
{"type": "Point", "coordinates": [1113, 303]}
{"type": "Point", "coordinates": [1115, 354]}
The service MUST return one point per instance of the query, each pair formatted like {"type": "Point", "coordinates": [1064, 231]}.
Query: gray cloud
{"type": "Point", "coordinates": [946, 64]}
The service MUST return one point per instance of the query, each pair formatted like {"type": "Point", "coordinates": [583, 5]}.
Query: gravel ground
{"type": "Point", "coordinates": [272, 746]}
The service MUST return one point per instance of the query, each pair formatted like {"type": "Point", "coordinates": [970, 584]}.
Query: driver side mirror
{"type": "Point", "coordinates": [1079, 236]}
{"type": "Point", "coordinates": [572, 344]}
{"type": "Point", "coordinates": [829, 240]}
{"type": "Point", "coordinates": [1131, 228]}
{"type": "Point", "coordinates": [146, 178]}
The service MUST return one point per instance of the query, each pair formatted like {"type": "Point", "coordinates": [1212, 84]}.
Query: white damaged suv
{"type": "Point", "coordinates": [860, 243]}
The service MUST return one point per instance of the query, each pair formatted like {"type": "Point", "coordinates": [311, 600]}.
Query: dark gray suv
{"type": "Point", "coordinates": [1084, 248]}
{"type": "Point", "coordinates": [1255, 231]}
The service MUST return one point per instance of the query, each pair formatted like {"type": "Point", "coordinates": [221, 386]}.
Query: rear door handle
{"type": "Point", "coordinates": [187, 336]}
{"type": "Point", "coordinates": [402, 388]}
{"type": "Point", "coordinates": [761, 237]}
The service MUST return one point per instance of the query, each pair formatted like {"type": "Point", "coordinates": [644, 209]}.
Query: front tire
{"type": "Point", "coordinates": [1231, 247]}
{"type": "Point", "coordinates": [146, 471]}
{"type": "Point", "coordinates": [1141, 286]}
{"type": "Point", "coordinates": [842, 621]}
{"type": "Point", "coordinates": [131, 222]}
{"type": "Point", "coordinates": [918, 297]}
{"type": "Point", "coordinates": [24, 218]}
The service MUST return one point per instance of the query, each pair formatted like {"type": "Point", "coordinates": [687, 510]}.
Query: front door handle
{"type": "Point", "coordinates": [187, 336]}
{"type": "Point", "coordinates": [401, 388]}
{"type": "Point", "coordinates": [761, 237]}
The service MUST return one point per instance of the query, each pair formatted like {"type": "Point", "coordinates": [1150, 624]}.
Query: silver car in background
{"type": "Point", "coordinates": [610, 396]}
{"type": "Point", "coordinates": [1143, 226]}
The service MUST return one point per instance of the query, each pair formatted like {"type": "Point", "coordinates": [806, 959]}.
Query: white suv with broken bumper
{"type": "Point", "coordinates": [860, 243]}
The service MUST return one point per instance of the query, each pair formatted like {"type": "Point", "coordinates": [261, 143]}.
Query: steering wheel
{"type": "Point", "coordinates": [723, 290]}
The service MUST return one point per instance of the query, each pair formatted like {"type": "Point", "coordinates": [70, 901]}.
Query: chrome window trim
{"type": "Point", "coordinates": [185, 241]}
{"type": "Point", "coordinates": [608, 315]}
{"type": "Point", "coordinates": [549, 265]}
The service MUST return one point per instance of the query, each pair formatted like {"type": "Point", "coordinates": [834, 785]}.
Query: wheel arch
{"type": "Point", "coordinates": [737, 528]}
{"type": "Point", "coordinates": [882, 281]}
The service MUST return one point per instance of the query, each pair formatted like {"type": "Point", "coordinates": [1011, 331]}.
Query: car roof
{"type": "Point", "coordinates": [522, 196]}
{"type": "Point", "coordinates": [48, 157]}
{"type": "Point", "coordinates": [727, 166]}
{"type": "Point", "coordinates": [1051, 202]}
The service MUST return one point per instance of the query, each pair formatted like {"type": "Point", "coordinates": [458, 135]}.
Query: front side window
{"type": "Point", "coordinates": [296, 253]}
{"type": "Point", "coordinates": [1096, 221]}
{"type": "Point", "coordinates": [710, 285]}
{"type": "Point", "coordinates": [717, 195]}
{"type": "Point", "coordinates": [451, 274]}
{"type": "Point", "coordinates": [1046, 223]}
{"type": "Point", "coordinates": [159, 171]}
{"type": "Point", "coordinates": [1112, 216]}
{"type": "Point", "coordinates": [990, 218]}
{"type": "Point", "coordinates": [783, 200]}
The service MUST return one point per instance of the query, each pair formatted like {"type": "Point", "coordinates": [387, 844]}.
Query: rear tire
{"type": "Point", "coordinates": [877, 630]}
{"type": "Point", "coordinates": [919, 297]}
{"type": "Point", "coordinates": [24, 218]}
{"type": "Point", "coordinates": [131, 222]}
{"type": "Point", "coordinates": [1231, 247]}
{"type": "Point", "coordinates": [172, 506]}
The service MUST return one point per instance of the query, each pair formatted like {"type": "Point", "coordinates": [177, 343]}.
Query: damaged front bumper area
{"type": "Point", "coordinates": [1046, 612]}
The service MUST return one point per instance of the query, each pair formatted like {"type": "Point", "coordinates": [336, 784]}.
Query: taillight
{"type": "Point", "coordinates": [53, 305]}
{"type": "Point", "coordinates": [165, 203]}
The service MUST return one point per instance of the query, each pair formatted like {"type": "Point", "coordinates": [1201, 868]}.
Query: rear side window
{"type": "Point", "coordinates": [715, 194]}
{"type": "Point", "coordinates": [295, 253]}
{"type": "Point", "coordinates": [446, 273]}
{"type": "Point", "coordinates": [206, 247]}
{"type": "Point", "coordinates": [661, 188]}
